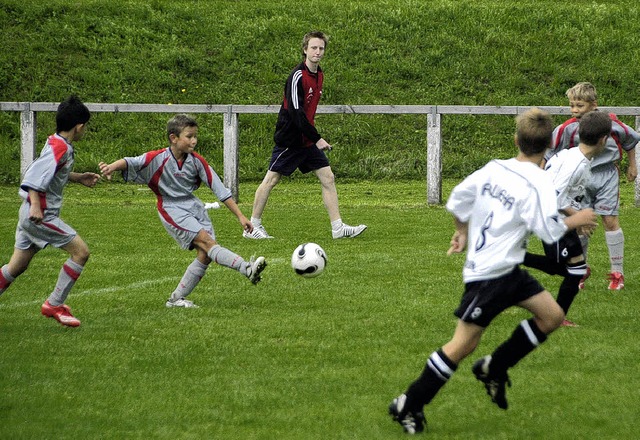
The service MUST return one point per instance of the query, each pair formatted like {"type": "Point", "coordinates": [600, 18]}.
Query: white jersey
{"type": "Point", "coordinates": [571, 174]}
{"type": "Point", "coordinates": [504, 203]}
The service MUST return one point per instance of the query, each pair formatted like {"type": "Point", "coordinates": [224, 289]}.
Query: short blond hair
{"type": "Point", "coordinates": [583, 91]}
{"type": "Point", "coordinates": [533, 131]}
{"type": "Point", "coordinates": [313, 34]}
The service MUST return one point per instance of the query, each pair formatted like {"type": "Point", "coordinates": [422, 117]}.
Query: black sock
{"type": "Point", "coordinates": [545, 264]}
{"type": "Point", "coordinates": [524, 339]}
{"type": "Point", "coordinates": [437, 371]}
{"type": "Point", "coordinates": [569, 287]}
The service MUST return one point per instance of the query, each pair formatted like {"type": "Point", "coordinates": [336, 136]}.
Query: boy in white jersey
{"type": "Point", "coordinates": [39, 222]}
{"type": "Point", "coordinates": [495, 209]}
{"type": "Point", "coordinates": [603, 194]}
{"type": "Point", "coordinates": [173, 174]}
{"type": "Point", "coordinates": [571, 173]}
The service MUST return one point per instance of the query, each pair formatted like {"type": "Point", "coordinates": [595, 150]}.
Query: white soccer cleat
{"type": "Point", "coordinates": [181, 302]}
{"type": "Point", "coordinates": [214, 205]}
{"type": "Point", "coordinates": [255, 269]}
{"type": "Point", "coordinates": [258, 233]}
{"type": "Point", "coordinates": [347, 231]}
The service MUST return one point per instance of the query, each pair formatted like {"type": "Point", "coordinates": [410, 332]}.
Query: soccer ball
{"type": "Point", "coordinates": [309, 260]}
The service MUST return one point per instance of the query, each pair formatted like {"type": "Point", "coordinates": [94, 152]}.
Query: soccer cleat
{"type": "Point", "coordinates": [258, 233]}
{"type": "Point", "coordinates": [494, 384]}
{"type": "Point", "coordinates": [181, 302]}
{"type": "Point", "coordinates": [616, 281]}
{"type": "Point", "coordinates": [584, 278]}
{"type": "Point", "coordinates": [61, 313]}
{"type": "Point", "coordinates": [411, 422]}
{"type": "Point", "coordinates": [347, 231]}
{"type": "Point", "coordinates": [567, 323]}
{"type": "Point", "coordinates": [255, 269]}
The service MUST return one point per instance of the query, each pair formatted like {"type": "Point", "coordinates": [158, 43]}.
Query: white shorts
{"type": "Point", "coordinates": [603, 194]}
{"type": "Point", "coordinates": [51, 231]}
{"type": "Point", "coordinates": [184, 221]}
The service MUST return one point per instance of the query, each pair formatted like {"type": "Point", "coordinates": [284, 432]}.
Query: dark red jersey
{"type": "Point", "coordinates": [296, 125]}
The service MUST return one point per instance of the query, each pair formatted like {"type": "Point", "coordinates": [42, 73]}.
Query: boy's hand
{"type": "Point", "coordinates": [35, 214]}
{"type": "Point", "coordinates": [587, 218]}
{"type": "Point", "coordinates": [458, 243]}
{"type": "Point", "coordinates": [246, 224]}
{"type": "Point", "coordinates": [106, 170]}
{"type": "Point", "coordinates": [88, 179]}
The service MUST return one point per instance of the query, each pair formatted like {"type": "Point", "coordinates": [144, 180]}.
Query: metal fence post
{"type": "Point", "coordinates": [434, 158]}
{"type": "Point", "coordinates": [231, 152]}
{"type": "Point", "coordinates": [28, 128]}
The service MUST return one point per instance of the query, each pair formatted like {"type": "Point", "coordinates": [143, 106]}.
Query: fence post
{"type": "Point", "coordinates": [434, 159]}
{"type": "Point", "coordinates": [637, 161]}
{"type": "Point", "coordinates": [28, 126]}
{"type": "Point", "coordinates": [231, 152]}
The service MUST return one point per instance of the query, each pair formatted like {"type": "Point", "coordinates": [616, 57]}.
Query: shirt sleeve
{"type": "Point", "coordinates": [40, 173]}
{"type": "Point", "coordinates": [295, 96]}
{"type": "Point", "coordinates": [540, 213]}
{"type": "Point", "coordinates": [462, 198]}
{"type": "Point", "coordinates": [208, 175]}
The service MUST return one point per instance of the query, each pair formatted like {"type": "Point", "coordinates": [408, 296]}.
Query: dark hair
{"type": "Point", "coordinates": [71, 112]}
{"type": "Point", "coordinates": [178, 123]}
{"type": "Point", "coordinates": [533, 131]}
{"type": "Point", "coordinates": [593, 126]}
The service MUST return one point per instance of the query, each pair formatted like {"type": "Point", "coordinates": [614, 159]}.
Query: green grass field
{"type": "Point", "coordinates": [294, 358]}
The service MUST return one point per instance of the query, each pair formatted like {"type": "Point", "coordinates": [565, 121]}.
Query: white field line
{"type": "Point", "coordinates": [4, 304]}
{"type": "Point", "coordinates": [98, 291]}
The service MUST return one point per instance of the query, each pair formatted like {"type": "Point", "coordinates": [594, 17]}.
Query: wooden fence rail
{"type": "Point", "coordinates": [29, 110]}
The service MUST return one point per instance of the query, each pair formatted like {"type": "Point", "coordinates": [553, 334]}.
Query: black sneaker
{"type": "Point", "coordinates": [495, 385]}
{"type": "Point", "coordinates": [411, 422]}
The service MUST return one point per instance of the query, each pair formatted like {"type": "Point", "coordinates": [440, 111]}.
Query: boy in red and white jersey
{"type": "Point", "coordinates": [173, 174]}
{"type": "Point", "coordinates": [603, 194]}
{"type": "Point", "coordinates": [39, 222]}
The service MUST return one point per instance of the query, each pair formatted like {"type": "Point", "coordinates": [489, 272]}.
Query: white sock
{"type": "Point", "coordinates": [66, 279]}
{"type": "Point", "coordinates": [256, 222]}
{"type": "Point", "coordinates": [227, 258]}
{"type": "Point", "coordinates": [615, 243]}
{"type": "Point", "coordinates": [336, 224]}
{"type": "Point", "coordinates": [190, 280]}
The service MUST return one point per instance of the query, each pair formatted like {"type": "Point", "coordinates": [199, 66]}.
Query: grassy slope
{"type": "Point", "coordinates": [381, 52]}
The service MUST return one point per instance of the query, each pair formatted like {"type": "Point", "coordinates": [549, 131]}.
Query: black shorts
{"type": "Point", "coordinates": [568, 247]}
{"type": "Point", "coordinates": [484, 300]}
{"type": "Point", "coordinates": [285, 160]}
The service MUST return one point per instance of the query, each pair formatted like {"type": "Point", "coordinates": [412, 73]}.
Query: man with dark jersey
{"type": "Point", "coordinates": [298, 145]}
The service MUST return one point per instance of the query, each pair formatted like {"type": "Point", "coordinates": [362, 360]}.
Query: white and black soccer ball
{"type": "Point", "coordinates": [309, 260]}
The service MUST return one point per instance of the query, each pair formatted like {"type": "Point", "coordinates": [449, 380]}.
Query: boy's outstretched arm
{"type": "Point", "coordinates": [632, 171]}
{"type": "Point", "coordinates": [86, 179]}
{"type": "Point", "coordinates": [459, 239]}
{"type": "Point", "coordinates": [233, 207]}
{"type": "Point", "coordinates": [585, 218]}
{"type": "Point", "coordinates": [108, 169]}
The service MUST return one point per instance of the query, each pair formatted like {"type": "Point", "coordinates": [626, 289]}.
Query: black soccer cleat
{"type": "Point", "coordinates": [494, 384]}
{"type": "Point", "coordinates": [412, 422]}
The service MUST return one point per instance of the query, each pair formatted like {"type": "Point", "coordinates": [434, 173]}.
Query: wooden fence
{"type": "Point", "coordinates": [29, 110]}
